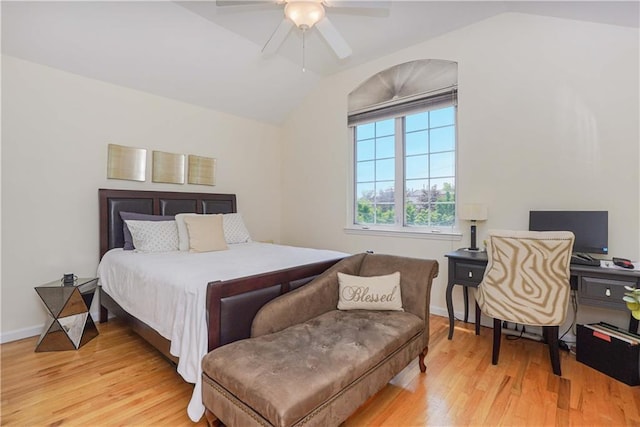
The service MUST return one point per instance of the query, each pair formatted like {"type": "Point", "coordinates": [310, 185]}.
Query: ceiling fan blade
{"type": "Point", "coordinates": [277, 37]}
{"type": "Point", "coordinates": [381, 4]}
{"type": "Point", "coordinates": [333, 37]}
{"type": "Point", "coordinates": [242, 2]}
{"type": "Point", "coordinates": [380, 9]}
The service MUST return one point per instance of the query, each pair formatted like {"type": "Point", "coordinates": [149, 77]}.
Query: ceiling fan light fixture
{"type": "Point", "coordinates": [305, 14]}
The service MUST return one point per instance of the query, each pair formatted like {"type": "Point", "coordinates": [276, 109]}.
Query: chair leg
{"type": "Point", "coordinates": [466, 303]}
{"type": "Point", "coordinates": [497, 336]}
{"type": "Point", "coordinates": [551, 335]}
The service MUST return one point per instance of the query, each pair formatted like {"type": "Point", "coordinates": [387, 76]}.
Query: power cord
{"type": "Point", "coordinates": [567, 345]}
{"type": "Point", "coordinates": [513, 337]}
{"type": "Point", "coordinates": [574, 305]}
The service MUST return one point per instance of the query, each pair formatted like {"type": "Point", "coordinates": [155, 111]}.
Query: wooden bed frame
{"type": "Point", "coordinates": [231, 304]}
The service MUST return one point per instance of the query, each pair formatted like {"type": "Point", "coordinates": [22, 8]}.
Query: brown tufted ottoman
{"type": "Point", "coordinates": [311, 364]}
{"type": "Point", "coordinates": [293, 376]}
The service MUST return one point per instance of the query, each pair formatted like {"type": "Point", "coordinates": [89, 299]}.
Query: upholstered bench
{"type": "Point", "coordinates": [309, 363]}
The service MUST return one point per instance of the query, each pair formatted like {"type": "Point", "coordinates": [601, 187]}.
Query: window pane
{"type": "Point", "coordinates": [416, 214]}
{"type": "Point", "coordinates": [442, 139]}
{"type": "Point", "coordinates": [416, 143]}
{"type": "Point", "coordinates": [366, 212]}
{"type": "Point", "coordinates": [443, 190]}
{"type": "Point", "coordinates": [441, 117]}
{"type": "Point", "coordinates": [385, 127]}
{"type": "Point", "coordinates": [416, 201]}
{"type": "Point", "coordinates": [417, 167]}
{"type": "Point", "coordinates": [411, 213]}
{"type": "Point", "coordinates": [416, 122]}
{"type": "Point", "coordinates": [442, 164]}
{"type": "Point", "coordinates": [385, 213]}
{"type": "Point", "coordinates": [416, 185]}
{"type": "Point", "coordinates": [385, 170]}
{"type": "Point", "coordinates": [385, 147]}
{"type": "Point", "coordinates": [365, 150]}
{"type": "Point", "coordinates": [365, 191]}
{"type": "Point", "coordinates": [365, 131]}
{"type": "Point", "coordinates": [385, 192]}
{"type": "Point", "coordinates": [365, 171]}
{"type": "Point", "coordinates": [443, 214]}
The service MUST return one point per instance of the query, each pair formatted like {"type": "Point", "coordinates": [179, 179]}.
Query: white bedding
{"type": "Point", "coordinates": [167, 291]}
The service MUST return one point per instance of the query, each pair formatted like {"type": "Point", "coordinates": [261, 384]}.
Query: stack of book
{"type": "Point", "coordinates": [605, 331]}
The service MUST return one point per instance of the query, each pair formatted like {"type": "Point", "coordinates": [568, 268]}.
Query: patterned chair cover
{"type": "Point", "coordinates": [527, 277]}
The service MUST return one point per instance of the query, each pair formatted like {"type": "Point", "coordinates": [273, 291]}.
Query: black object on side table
{"type": "Point", "coordinates": [70, 325]}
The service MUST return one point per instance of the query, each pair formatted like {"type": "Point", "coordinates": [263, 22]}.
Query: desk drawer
{"type": "Point", "coordinates": [606, 292]}
{"type": "Point", "coordinates": [468, 273]}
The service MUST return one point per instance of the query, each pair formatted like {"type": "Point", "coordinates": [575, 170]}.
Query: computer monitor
{"type": "Point", "coordinates": [591, 228]}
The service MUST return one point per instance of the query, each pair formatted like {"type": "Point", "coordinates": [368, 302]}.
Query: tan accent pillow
{"type": "Point", "coordinates": [205, 233]}
{"type": "Point", "coordinates": [370, 293]}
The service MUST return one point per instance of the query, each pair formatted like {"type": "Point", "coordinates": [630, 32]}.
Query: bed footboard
{"type": "Point", "coordinates": [232, 304]}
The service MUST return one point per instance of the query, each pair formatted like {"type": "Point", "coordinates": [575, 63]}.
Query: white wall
{"type": "Point", "coordinates": [55, 131]}
{"type": "Point", "coordinates": [548, 119]}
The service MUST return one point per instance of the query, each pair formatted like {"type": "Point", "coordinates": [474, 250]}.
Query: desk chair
{"type": "Point", "coordinates": [527, 282]}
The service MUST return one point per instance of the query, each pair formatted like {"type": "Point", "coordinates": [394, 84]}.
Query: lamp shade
{"type": "Point", "coordinates": [305, 14]}
{"type": "Point", "coordinates": [473, 212]}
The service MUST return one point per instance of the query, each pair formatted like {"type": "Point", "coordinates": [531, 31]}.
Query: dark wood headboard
{"type": "Point", "coordinates": [155, 203]}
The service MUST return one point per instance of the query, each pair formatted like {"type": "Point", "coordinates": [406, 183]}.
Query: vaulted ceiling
{"type": "Point", "coordinates": [207, 55]}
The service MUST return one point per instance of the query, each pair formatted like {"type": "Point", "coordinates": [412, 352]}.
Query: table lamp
{"type": "Point", "coordinates": [473, 212]}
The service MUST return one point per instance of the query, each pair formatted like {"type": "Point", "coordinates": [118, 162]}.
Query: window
{"type": "Point", "coordinates": [403, 127]}
{"type": "Point", "coordinates": [404, 166]}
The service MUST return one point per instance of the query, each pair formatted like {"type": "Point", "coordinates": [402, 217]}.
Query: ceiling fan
{"type": "Point", "coordinates": [307, 14]}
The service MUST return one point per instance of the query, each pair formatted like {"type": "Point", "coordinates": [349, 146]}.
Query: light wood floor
{"type": "Point", "coordinates": [117, 379]}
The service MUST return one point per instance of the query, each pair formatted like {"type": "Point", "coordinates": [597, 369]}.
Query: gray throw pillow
{"type": "Point", "coordinates": [128, 240]}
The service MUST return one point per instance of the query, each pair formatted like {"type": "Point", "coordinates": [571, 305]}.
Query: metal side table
{"type": "Point", "coordinates": [70, 325]}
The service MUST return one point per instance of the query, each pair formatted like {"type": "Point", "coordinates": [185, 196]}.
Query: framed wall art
{"type": "Point", "coordinates": [168, 167]}
{"type": "Point", "coordinates": [202, 170]}
{"type": "Point", "coordinates": [128, 163]}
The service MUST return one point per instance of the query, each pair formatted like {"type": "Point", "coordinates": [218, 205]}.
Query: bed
{"type": "Point", "coordinates": [218, 302]}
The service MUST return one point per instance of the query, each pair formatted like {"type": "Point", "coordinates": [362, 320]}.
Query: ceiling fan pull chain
{"type": "Point", "coordinates": [303, 40]}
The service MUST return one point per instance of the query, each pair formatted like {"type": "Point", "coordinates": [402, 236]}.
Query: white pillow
{"type": "Point", "coordinates": [234, 229]}
{"type": "Point", "coordinates": [370, 293]}
{"type": "Point", "coordinates": [154, 236]}
{"type": "Point", "coordinates": [183, 232]}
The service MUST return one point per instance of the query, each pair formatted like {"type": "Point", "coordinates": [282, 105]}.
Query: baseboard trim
{"type": "Point", "coordinates": [20, 334]}
{"type": "Point", "coordinates": [439, 311]}
{"type": "Point", "coordinates": [33, 331]}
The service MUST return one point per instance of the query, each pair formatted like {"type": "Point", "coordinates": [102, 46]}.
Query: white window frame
{"type": "Point", "coordinates": [399, 229]}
